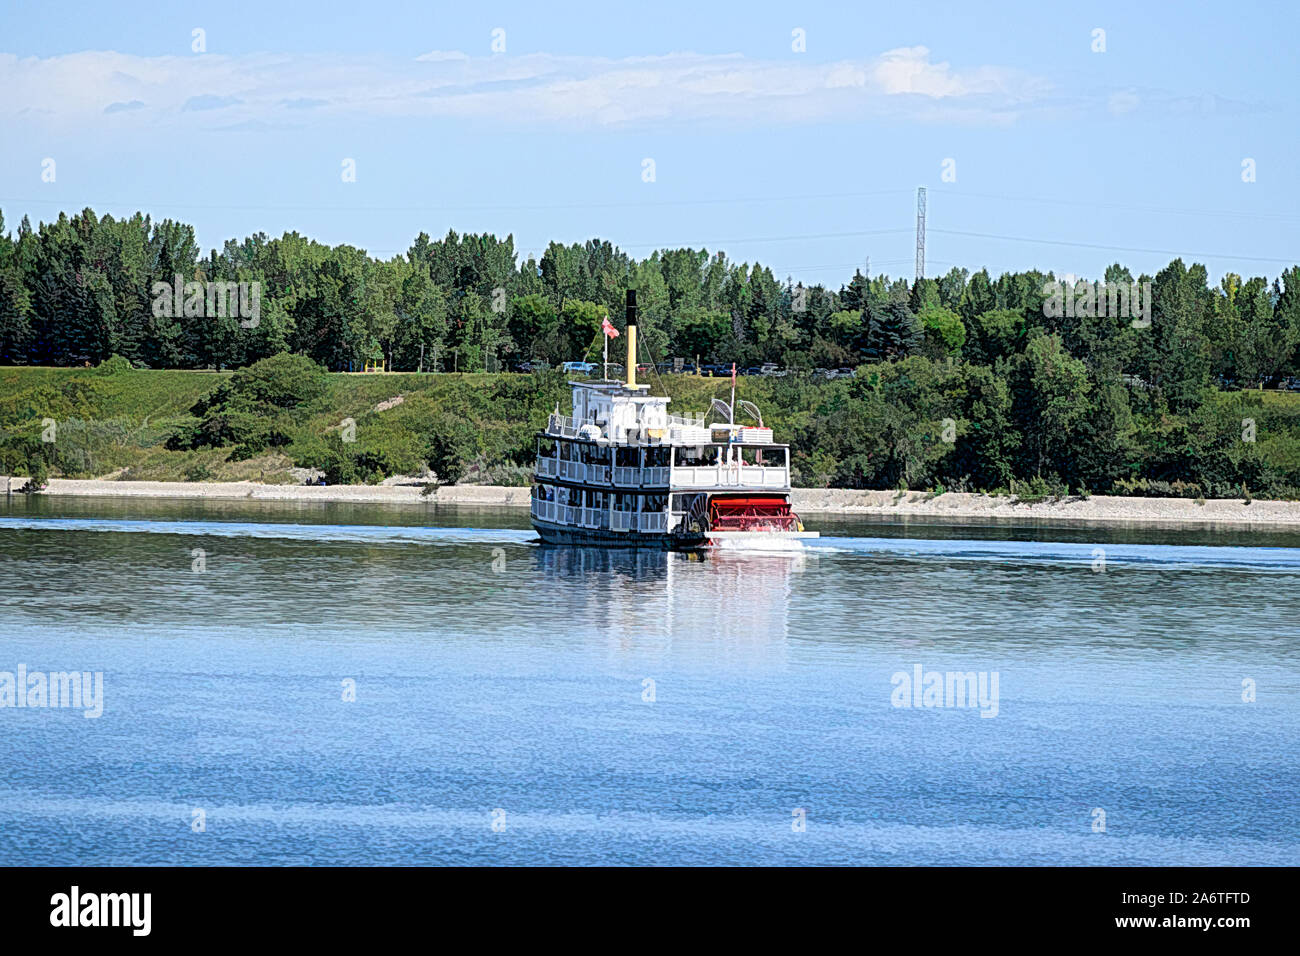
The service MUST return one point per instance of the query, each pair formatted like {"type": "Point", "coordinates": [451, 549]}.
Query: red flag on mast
{"type": "Point", "coordinates": [733, 374]}
{"type": "Point", "coordinates": [608, 328]}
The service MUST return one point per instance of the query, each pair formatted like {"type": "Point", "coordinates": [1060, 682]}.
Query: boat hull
{"type": "Point", "coordinates": [596, 538]}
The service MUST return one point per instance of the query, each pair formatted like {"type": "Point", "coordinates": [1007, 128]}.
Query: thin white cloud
{"type": "Point", "coordinates": [438, 56]}
{"type": "Point", "coordinates": [529, 89]}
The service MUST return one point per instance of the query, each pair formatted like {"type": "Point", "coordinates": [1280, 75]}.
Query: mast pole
{"type": "Point", "coordinates": [631, 338]}
{"type": "Point", "coordinates": [733, 394]}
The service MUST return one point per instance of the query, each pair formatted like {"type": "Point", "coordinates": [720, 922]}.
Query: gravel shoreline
{"type": "Point", "coordinates": [811, 501]}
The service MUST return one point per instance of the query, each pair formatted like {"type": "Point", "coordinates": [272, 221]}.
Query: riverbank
{"type": "Point", "coordinates": [808, 502]}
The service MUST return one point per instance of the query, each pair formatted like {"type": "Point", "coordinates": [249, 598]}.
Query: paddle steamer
{"type": "Point", "coordinates": [620, 471]}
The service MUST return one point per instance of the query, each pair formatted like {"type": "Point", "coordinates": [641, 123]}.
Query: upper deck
{"type": "Point", "coordinates": [611, 413]}
{"type": "Point", "coordinates": [623, 437]}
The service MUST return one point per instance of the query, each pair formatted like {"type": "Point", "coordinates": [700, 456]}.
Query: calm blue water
{"type": "Point", "coordinates": [494, 675]}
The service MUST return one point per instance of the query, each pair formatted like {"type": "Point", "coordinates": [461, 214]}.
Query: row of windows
{"type": "Point", "coordinates": [586, 498]}
{"type": "Point", "coordinates": [589, 454]}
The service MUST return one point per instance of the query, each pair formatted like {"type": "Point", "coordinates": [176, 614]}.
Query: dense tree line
{"type": "Point", "coordinates": [1023, 391]}
{"type": "Point", "coordinates": [82, 288]}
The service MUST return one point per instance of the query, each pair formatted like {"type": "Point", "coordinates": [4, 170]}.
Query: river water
{"type": "Point", "coordinates": [348, 684]}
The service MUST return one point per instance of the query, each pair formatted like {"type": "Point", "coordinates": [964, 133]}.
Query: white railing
{"type": "Point", "coordinates": [632, 521]}
{"type": "Point", "coordinates": [696, 420]}
{"type": "Point", "coordinates": [653, 522]}
{"type": "Point", "coordinates": [731, 476]}
{"type": "Point", "coordinates": [571, 514]}
{"type": "Point", "coordinates": [574, 470]}
{"type": "Point", "coordinates": [562, 425]}
{"type": "Point", "coordinates": [633, 477]}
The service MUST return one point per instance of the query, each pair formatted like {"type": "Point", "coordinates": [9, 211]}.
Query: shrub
{"type": "Point", "coordinates": [381, 450]}
{"type": "Point", "coordinates": [113, 365]}
{"type": "Point", "coordinates": [257, 409]}
{"type": "Point", "coordinates": [451, 445]}
{"type": "Point", "coordinates": [37, 478]}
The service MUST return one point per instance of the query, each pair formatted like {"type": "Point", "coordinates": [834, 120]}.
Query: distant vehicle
{"type": "Point", "coordinates": [755, 370]}
{"type": "Point", "coordinates": [771, 368]}
{"type": "Point", "coordinates": [579, 368]}
{"type": "Point", "coordinates": [1291, 384]}
{"type": "Point", "coordinates": [534, 365]}
{"type": "Point", "coordinates": [715, 371]}
{"type": "Point", "coordinates": [688, 368]}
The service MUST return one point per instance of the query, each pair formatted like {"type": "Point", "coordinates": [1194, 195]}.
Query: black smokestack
{"type": "Point", "coordinates": [631, 306]}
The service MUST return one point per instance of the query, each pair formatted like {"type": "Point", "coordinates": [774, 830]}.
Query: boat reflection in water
{"type": "Point", "coordinates": [718, 607]}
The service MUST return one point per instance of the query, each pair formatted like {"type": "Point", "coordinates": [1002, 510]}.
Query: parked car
{"type": "Point", "coordinates": [578, 368]}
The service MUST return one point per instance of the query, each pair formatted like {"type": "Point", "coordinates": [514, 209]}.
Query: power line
{"type": "Point", "coordinates": [741, 239]}
{"type": "Point", "coordinates": [336, 207]}
{"type": "Point", "coordinates": [1110, 248]}
{"type": "Point", "coordinates": [1088, 204]}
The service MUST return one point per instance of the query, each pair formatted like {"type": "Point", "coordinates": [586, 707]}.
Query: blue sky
{"type": "Point", "coordinates": [808, 161]}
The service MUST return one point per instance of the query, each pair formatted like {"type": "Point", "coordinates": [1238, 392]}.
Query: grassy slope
{"type": "Point", "coordinates": [121, 421]}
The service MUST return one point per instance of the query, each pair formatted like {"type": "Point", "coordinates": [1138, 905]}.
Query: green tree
{"type": "Point", "coordinates": [944, 332]}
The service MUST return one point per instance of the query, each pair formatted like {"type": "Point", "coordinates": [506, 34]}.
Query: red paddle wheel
{"type": "Point", "coordinates": [752, 513]}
